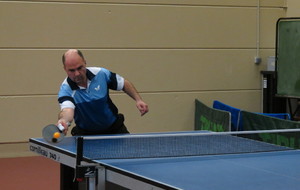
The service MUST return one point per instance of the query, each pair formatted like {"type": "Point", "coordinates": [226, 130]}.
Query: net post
{"type": "Point", "coordinates": [79, 147]}
{"type": "Point", "coordinates": [79, 156]}
{"type": "Point", "coordinates": [84, 173]}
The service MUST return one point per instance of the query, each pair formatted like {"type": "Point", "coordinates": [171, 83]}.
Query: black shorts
{"type": "Point", "coordinates": [117, 127]}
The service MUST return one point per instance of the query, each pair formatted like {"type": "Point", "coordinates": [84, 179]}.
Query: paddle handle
{"type": "Point", "coordinates": [60, 127]}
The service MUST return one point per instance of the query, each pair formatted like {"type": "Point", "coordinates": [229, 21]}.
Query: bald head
{"type": "Point", "coordinates": [72, 54]}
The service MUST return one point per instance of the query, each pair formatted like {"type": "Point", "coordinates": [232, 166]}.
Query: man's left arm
{"type": "Point", "coordinates": [132, 92]}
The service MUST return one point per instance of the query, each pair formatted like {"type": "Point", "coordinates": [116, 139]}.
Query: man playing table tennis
{"type": "Point", "coordinates": [84, 97]}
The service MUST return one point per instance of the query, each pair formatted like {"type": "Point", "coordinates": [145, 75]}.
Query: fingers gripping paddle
{"type": "Point", "coordinates": [53, 133]}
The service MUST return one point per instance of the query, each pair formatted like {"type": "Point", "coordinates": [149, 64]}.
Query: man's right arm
{"type": "Point", "coordinates": [65, 117]}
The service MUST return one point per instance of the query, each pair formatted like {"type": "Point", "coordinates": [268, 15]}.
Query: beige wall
{"type": "Point", "coordinates": [173, 52]}
{"type": "Point", "coordinates": [293, 8]}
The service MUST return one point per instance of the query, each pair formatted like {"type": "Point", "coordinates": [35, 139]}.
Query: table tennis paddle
{"type": "Point", "coordinates": [53, 133]}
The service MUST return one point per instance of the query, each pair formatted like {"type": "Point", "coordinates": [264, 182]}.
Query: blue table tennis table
{"type": "Point", "coordinates": [260, 170]}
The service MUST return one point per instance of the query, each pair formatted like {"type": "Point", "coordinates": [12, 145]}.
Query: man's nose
{"type": "Point", "coordinates": [76, 73]}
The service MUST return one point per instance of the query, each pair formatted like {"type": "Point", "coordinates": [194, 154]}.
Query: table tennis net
{"type": "Point", "coordinates": [178, 145]}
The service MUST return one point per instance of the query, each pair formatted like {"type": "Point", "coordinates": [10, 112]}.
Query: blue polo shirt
{"type": "Point", "coordinates": [94, 110]}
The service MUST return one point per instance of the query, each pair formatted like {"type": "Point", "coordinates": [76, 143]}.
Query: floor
{"type": "Point", "coordinates": [32, 173]}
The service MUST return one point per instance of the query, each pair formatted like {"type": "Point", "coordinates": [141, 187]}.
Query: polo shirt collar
{"type": "Point", "coordinates": [74, 86]}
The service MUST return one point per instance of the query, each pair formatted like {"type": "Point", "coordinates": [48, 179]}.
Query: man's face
{"type": "Point", "coordinates": [75, 68]}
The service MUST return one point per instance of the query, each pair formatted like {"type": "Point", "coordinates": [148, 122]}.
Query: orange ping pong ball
{"type": "Point", "coordinates": [56, 135]}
